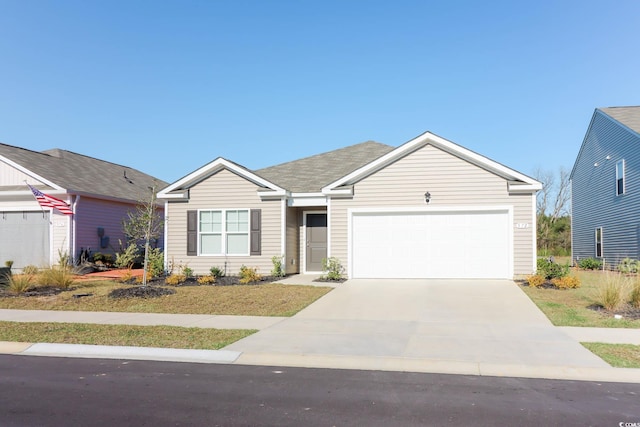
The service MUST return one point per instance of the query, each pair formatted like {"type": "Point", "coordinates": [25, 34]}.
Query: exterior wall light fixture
{"type": "Point", "coordinates": [427, 197]}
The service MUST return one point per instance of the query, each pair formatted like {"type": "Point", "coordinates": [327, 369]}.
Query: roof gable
{"type": "Point", "coordinates": [179, 188]}
{"type": "Point", "coordinates": [627, 116]}
{"type": "Point", "coordinates": [79, 174]}
{"type": "Point", "coordinates": [521, 182]}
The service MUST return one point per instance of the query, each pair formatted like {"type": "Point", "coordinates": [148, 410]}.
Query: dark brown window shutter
{"type": "Point", "coordinates": [192, 233]}
{"type": "Point", "coordinates": [256, 232]}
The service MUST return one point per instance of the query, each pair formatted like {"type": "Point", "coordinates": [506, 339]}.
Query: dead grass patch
{"type": "Point", "coordinates": [248, 300]}
{"type": "Point", "coordinates": [123, 335]}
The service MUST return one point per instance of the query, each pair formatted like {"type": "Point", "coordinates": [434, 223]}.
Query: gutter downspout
{"type": "Point", "coordinates": [74, 248]}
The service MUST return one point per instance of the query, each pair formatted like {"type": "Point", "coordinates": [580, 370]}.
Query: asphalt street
{"type": "Point", "coordinates": [47, 391]}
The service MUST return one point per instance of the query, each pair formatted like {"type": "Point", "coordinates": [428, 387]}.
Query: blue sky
{"type": "Point", "coordinates": [167, 86]}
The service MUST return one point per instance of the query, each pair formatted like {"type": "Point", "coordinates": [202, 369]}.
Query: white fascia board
{"type": "Point", "coordinates": [524, 188]}
{"type": "Point", "coordinates": [214, 166]}
{"type": "Point", "coordinates": [430, 138]}
{"type": "Point", "coordinates": [30, 173]}
{"type": "Point", "coordinates": [338, 191]}
{"type": "Point", "coordinates": [307, 199]}
{"type": "Point", "coordinates": [277, 194]}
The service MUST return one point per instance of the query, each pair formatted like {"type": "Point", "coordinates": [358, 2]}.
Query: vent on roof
{"type": "Point", "coordinates": [127, 178]}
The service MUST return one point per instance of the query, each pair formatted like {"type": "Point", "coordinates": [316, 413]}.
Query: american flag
{"type": "Point", "coordinates": [47, 201]}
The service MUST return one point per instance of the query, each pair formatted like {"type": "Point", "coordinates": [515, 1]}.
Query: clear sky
{"type": "Point", "coordinates": [167, 86]}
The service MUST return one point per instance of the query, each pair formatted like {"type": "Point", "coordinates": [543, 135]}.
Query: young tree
{"type": "Point", "coordinates": [553, 210]}
{"type": "Point", "coordinates": [143, 225]}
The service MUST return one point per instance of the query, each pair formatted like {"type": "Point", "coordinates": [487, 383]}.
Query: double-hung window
{"type": "Point", "coordinates": [223, 232]}
{"type": "Point", "coordinates": [620, 177]}
{"type": "Point", "coordinates": [599, 245]}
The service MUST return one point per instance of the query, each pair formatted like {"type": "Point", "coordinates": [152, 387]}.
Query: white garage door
{"type": "Point", "coordinates": [467, 244]}
{"type": "Point", "coordinates": [24, 238]}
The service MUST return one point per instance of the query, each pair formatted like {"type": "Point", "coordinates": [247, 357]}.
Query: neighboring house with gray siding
{"type": "Point", "coordinates": [426, 209]}
{"type": "Point", "coordinates": [100, 194]}
{"type": "Point", "coordinates": [605, 188]}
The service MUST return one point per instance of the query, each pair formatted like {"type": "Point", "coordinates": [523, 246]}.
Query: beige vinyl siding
{"type": "Point", "coordinates": [292, 258]}
{"type": "Point", "coordinates": [60, 243]}
{"type": "Point", "coordinates": [450, 180]}
{"type": "Point", "coordinates": [12, 176]}
{"type": "Point", "coordinates": [223, 190]}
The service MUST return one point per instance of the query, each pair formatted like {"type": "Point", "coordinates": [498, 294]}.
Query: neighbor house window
{"type": "Point", "coordinates": [620, 177]}
{"type": "Point", "coordinates": [599, 246]}
{"type": "Point", "coordinates": [224, 232]}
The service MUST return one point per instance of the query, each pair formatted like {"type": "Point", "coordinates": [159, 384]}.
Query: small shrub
{"type": "Point", "coordinates": [611, 295]}
{"type": "Point", "coordinates": [8, 264]}
{"type": "Point", "coordinates": [628, 266]}
{"type": "Point", "coordinates": [30, 269]}
{"type": "Point", "coordinates": [277, 270]}
{"type": "Point", "coordinates": [535, 280]}
{"type": "Point", "coordinates": [155, 266]}
{"type": "Point", "coordinates": [187, 272]}
{"type": "Point", "coordinates": [590, 264]}
{"type": "Point", "coordinates": [20, 283]}
{"type": "Point", "coordinates": [217, 272]}
{"type": "Point", "coordinates": [60, 277]}
{"type": "Point", "coordinates": [249, 275]}
{"type": "Point", "coordinates": [550, 269]}
{"type": "Point", "coordinates": [206, 280]}
{"type": "Point", "coordinates": [567, 282]}
{"type": "Point", "coordinates": [126, 277]}
{"type": "Point", "coordinates": [127, 257]}
{"type": "Point", "coordinates": [332, 268]}
{"type": "Point", "coordinates": [175, 279]}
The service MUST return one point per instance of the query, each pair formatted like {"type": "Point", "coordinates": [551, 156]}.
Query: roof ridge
{"type": "Point", "coordinates": [48, 153]}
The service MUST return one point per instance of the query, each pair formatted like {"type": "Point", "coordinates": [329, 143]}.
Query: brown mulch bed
{"type": "Point", "coordinates": [627, 311]}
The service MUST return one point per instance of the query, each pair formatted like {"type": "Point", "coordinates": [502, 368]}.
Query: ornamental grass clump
{"type": "Point", "coordinates": [611, 295]}
{"type": "Point", "coordinates": [635, 293]}
{"type": "Point", "coordinates": [19, 283]}
{"type": "Point", "coordinates": [60, 277]}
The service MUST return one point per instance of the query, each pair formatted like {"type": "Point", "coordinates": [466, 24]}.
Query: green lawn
{"type": "Point", "coordinates": [616, 355]}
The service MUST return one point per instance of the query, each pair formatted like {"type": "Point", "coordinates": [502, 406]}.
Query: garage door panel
{"type": "Point", "coordinates": [24, 238]}
{"type": "Point", "coordinates": [431, 245]}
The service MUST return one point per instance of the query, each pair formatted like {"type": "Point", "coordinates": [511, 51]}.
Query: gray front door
{"type": "Point", "coordinates": [316, 238]}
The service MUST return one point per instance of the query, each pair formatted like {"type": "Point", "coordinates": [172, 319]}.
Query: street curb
{"type": "Point", "coordinates": [132, 353]}
{"type": "Point", "coordinates": [398, 364]}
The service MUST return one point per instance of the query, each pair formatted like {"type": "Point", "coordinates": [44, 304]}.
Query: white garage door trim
{"type": "Point", "coordinates": [440, 212]}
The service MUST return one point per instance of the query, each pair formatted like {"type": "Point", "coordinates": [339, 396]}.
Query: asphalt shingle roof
{"type": "Point", "coordinates": [310, 174]}
{"type": "Point", "coordinates": [79, 173]}
{"type": "Point", "coordinates": [628, 116]}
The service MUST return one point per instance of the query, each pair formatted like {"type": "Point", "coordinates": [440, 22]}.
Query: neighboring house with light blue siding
{"type": "Point", "coordinates": [605, 188]}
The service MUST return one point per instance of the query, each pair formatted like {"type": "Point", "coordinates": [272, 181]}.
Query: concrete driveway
{"type": "Point", "coordinates": [455, 324]}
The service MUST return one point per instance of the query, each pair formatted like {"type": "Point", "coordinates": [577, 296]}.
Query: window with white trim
{"type": "Point", "coordinates": [620, 177]}
{"type": "Point", "coordinates": [223, 232]}
{"type": "Point", "coordinates": [599, 245]}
